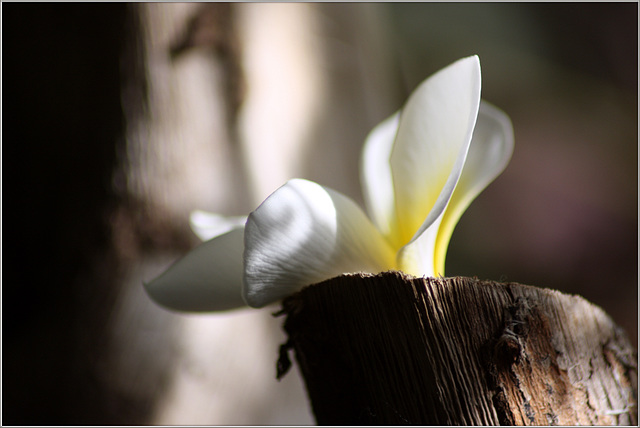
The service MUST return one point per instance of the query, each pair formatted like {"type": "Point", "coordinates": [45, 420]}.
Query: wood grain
{"type": "Point", "coordinates": [395, 349]}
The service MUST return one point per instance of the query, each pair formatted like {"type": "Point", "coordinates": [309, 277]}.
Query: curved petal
{"type": "Point", "coordinates": [433, 138]}
{"type": "Point", "coordinates": [417, 257]}
{"type": "Point", "coordinates": [208, 278]}
{"type": "Point", "coordinates": [209, 225]}
{"type": "Point", "coordinates": [375, 173]}
{"type": "Point", "coordinates": [490, 151]}
{"type": "Point", "coordinates": [303, 234]}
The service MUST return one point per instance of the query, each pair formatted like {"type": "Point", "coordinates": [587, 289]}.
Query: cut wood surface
{"type": "Point", "coordinates": [395, 349]}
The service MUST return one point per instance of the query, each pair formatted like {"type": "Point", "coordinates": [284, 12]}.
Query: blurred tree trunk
{"type": "Point", "coordinates": [226, 103]}
{"type": "Point", "coordinates": [394, 349]}
{"type": "Point", "coordinates": [236, 97]}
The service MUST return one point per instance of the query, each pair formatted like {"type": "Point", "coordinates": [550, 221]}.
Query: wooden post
{"type": "Point", "coordinates": [395, 349]}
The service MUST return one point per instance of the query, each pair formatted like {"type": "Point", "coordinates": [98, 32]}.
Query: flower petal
{"type": "Point", "coordinates": [417, 257]}
{"type": "Point", "coordinates": [375, 170]}
{"type": "Point", "coordinates": [490, 151]}
{"type": "Point", "coordinates": [303, 234]}
{"type": "Point", "coordinates": [208, 278]}
{"type": "Point", "coordinates": [433, 138]}
{"type": "Point", "coordinates": [209, 225]}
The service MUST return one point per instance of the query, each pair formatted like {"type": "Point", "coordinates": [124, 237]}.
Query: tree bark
{"type": "Point", "coordinates": [395, 349]}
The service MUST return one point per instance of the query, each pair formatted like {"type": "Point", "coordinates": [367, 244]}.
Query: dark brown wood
{"type": "Point", "coordinates": [395, 349]}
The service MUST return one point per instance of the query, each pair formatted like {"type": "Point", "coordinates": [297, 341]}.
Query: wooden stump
{"type": "Point", "coordinates": [394, 349]}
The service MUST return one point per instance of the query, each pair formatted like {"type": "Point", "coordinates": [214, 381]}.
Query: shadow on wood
{"type": "Point", "coordinates": [394, 349]}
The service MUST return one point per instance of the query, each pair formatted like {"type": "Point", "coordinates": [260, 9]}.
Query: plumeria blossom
{"type": "Point", "coordinates": [420, 170]}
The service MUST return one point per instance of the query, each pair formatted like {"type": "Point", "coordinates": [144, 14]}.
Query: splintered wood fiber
{"type": "Point", "coordinates": [394, 349]}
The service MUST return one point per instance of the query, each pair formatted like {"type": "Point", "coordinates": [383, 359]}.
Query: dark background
{"type": "Point", "coordinates": [62, 121]}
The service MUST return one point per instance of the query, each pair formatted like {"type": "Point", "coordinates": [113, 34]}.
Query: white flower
{"type": "Point", "coordinates": [421, 168]}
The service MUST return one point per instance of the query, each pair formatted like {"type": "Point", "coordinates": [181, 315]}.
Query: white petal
{"type": "Point", "coordinates": [490, 151]}
{"type": "Point", "coordinates": [208, 278]}
{"type": "Point", "coordinates": [303, 234]}
{"type": "Point", "coordinates": [209, 225]}
{"type": "Point", "coordinates": [433, 138]}
{"type": "Point", "coordinates": [375, 169]}
{"type": "Point", "coordinates": [417, 257]}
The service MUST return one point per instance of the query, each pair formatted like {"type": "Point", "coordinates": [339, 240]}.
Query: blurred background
{"type": "Point", "coordinates": [120, 119]}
